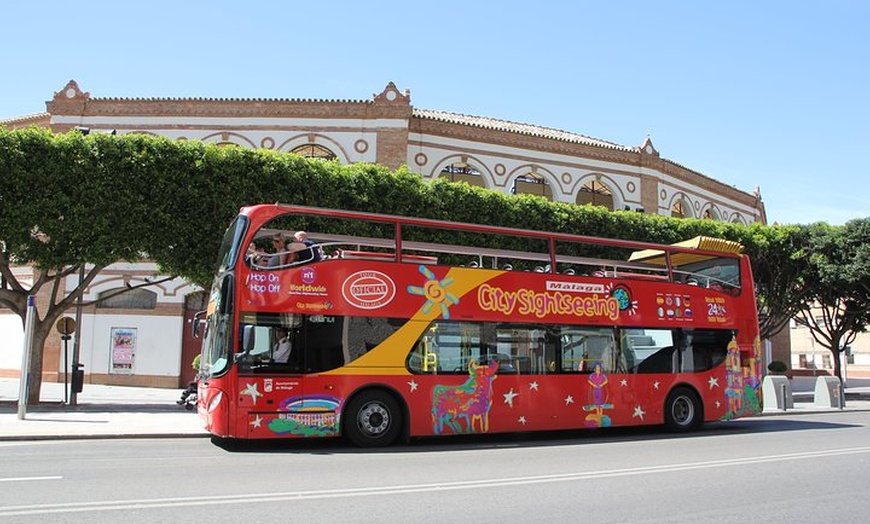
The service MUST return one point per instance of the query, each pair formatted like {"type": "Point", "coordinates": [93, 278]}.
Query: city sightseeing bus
{"type": "Point", "coordinates": [405, 327]}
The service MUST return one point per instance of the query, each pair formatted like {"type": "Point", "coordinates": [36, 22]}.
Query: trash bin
{"type": "Point", "coordinates": [827, 393]}
{"type": "Point", "coordinates": [776, 393]}
{"type": "Point", "coordinates": [78, 377]}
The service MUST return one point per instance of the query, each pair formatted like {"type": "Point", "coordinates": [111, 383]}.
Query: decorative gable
{"type": "Point", "coordinates": [391, 96]}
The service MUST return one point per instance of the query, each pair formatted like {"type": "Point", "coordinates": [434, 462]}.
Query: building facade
{"type": "Point", "coordinates": [496, 154]}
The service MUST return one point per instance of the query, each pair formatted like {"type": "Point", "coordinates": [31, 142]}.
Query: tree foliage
{"type": "Point", "coordinates": [71, 201]}
{"type": "Point", "coordinates": [837, 307]}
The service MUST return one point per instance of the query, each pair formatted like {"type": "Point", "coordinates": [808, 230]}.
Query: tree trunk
{"type": "Point", "coordinates": [40, 333]}
{"type": "Point", "coordinates": [838, 371]}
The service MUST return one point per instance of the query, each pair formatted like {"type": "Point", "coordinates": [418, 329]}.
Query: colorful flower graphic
{"type": "Point", "coordinates": [435, 293]}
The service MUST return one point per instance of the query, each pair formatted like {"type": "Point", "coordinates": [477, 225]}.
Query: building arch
{"type": "Point", "coordinates": [711, 212]}
{"type": "Point", "coordinates": [228, 138]}
{"type": "Point", "coordinates": [450, 166]}
{"type": "Point", "coordinates": [533, 180]}
{"type": "Point", "coordinates": [314, 151]}
{"type": "Point", "coordinates": [680, 207]}
{"type": "Point", "coordinates": [103, 285]}
{"type": "Point", "coordinates": [124, 298]}
{"type": "Point", "coordinates": [737, 218]}
{"type": "Point", "coordinates": [315, 139]}
{"type": "Point", "coordinates": [598, 190]}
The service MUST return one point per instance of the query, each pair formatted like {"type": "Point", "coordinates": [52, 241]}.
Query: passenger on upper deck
{"type": "Point", "coordinates": [312, 252]}
{"type": "Point", "coordinates": [255, 256]}
{"type": "Point", "coordinates": [277, 256]}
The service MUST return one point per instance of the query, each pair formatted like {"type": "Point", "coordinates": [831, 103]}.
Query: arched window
{"type": "Point", "coordinates": [681, 208]}
{"type": "Point", "coordinates": [532, 184]}
{"type": "Point", "coordinates": [462, 172]}
{"type": "Point", "coordinates": [123, 298]}
{"type": "Point", "coordinates": [595, 193]}
{"type": "Point", "coordinates": [710, 214]}
{"type": "Point", "coordinates": [314, 151]}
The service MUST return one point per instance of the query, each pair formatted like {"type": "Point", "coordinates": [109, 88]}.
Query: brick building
{"type": "Point", "coordinates": [500, 155]}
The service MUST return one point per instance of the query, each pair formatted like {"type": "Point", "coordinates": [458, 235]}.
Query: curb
{"type": "Point", "coordinates": [108, 436]}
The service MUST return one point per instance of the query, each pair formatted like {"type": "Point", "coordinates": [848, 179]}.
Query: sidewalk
{"type": "Point", "coordinates": [131, 412]}
{"type": "Point", "coordinates": [101, 412]}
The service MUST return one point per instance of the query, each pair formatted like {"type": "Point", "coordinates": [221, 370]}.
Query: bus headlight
{"type": "Point", "coordinates": [215, 401]}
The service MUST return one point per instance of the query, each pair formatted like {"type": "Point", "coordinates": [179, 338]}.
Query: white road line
{"type": "Point", "coordinates": [23, 479]}
{"type": "Point", "coordinates": [249, 498]}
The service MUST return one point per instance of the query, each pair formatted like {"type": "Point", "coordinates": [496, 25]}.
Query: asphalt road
{"type": "Point", "coordinates": [789, 468]}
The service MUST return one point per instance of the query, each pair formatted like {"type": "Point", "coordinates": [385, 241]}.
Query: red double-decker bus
{"type": "Point", "coordinates": [379, 327]}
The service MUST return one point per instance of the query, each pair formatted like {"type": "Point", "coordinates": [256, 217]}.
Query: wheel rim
{"type": "Point", "coordinates": [683, 410]}
{"type": "Point", "coordinates": [373, 419]}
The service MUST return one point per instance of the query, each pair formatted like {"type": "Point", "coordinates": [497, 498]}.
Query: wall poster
{"type": "Point", "coordinates": [123, 350]}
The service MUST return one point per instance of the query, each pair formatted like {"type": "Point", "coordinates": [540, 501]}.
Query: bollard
{"type": "Point", "coordinates": [842, 396]}
{"type": "Point", "coordinates": [782, 390]}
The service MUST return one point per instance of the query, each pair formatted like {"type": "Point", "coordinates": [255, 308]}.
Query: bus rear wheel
{"type": "Point", "coordinates": [373, 419]}
{"type": "Point", "coordinates": [683, 410]}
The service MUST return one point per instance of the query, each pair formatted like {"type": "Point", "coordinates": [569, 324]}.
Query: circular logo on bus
{"type": "Point", "coordinates": [309, 275]}
{"type": "Point", "coordinates": [368, 289]}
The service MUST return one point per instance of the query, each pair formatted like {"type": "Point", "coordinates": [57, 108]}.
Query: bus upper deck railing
{"type": "Point", "coordinates": [383, 249]}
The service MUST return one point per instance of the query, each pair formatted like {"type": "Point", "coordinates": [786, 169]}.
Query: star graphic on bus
{"type": "Point", "coordinates": [509, 397]}
{"type": "Point", "coordinates": [638, 412]}
{"type": "Point", "coordinates": [435, 293]}
{"type": "Point", "coordinates": [251, 390]}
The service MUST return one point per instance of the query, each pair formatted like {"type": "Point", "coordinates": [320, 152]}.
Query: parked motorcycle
{"type": "Point", "coordinates": [188, 397]}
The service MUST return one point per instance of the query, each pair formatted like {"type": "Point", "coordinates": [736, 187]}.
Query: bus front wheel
{"type": "Point", "coordinates": [683, 410]}
{"type": "Point", "coordinates": [373, 419]}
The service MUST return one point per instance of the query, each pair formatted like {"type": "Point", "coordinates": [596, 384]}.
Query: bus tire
{"type": "Point", "coordinates": [373, 419]}
{"type": "Point", "coordinates": [683, 410]}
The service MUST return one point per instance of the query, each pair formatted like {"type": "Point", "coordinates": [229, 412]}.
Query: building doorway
{"type": "Point", "coordinates": [190, 347]}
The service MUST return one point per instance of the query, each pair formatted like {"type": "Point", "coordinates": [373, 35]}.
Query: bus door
{"type": "Point", "coordinates": [270, 365]}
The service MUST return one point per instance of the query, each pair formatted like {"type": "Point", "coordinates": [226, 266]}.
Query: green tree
{"type": "Point", "coordinates": [63, 212]}
{"type": "Point", "coordinates": [70, 201]}
{"type": "Point", "coordinates": [779, 265]}
{"type": "Point", "coordinates": [837, 305]}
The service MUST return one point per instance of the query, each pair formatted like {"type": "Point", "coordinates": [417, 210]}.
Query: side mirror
{"type": "Point", "coordinates": [197, 318]}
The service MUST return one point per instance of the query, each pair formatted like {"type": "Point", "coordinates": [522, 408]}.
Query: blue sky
{"type": "Point", "coordinates": [771, 94]}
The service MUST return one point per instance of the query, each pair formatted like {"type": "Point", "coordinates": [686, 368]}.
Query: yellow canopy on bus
{"type": "Point", "coordinates": [701, 243]}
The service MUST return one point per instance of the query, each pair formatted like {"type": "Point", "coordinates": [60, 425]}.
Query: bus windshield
{"type": "Point", "coordinates": [231, 243]}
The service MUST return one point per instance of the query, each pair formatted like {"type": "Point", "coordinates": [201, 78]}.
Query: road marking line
{"type": "Point", "coordinates": [23, 479]}
{"type": "Point", "coordinates": [126, 505]}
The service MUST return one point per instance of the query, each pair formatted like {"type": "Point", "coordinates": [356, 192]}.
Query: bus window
{"type": "Point", "coordinates": [523, 348]}
{"type": "Point", "coordinates": [721, 274]}
{"type": "Point", "coordinates": [271, 342]}
{"type": "Point", "coordinates": [703, 349]}
{"type": "Point", "coordinates": [364, 333]}
{"type": "Point", "coordinates": [457, 344]}
{"type": "Point", "coordinates": [449, 347]}
{"type": "Point", "coordinates": [583, 347]}
{"type": "Point", "coordinates": [648, 350]}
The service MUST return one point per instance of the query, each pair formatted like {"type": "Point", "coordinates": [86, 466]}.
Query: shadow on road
{"type": "Point", "coordinates": [449, 444]}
